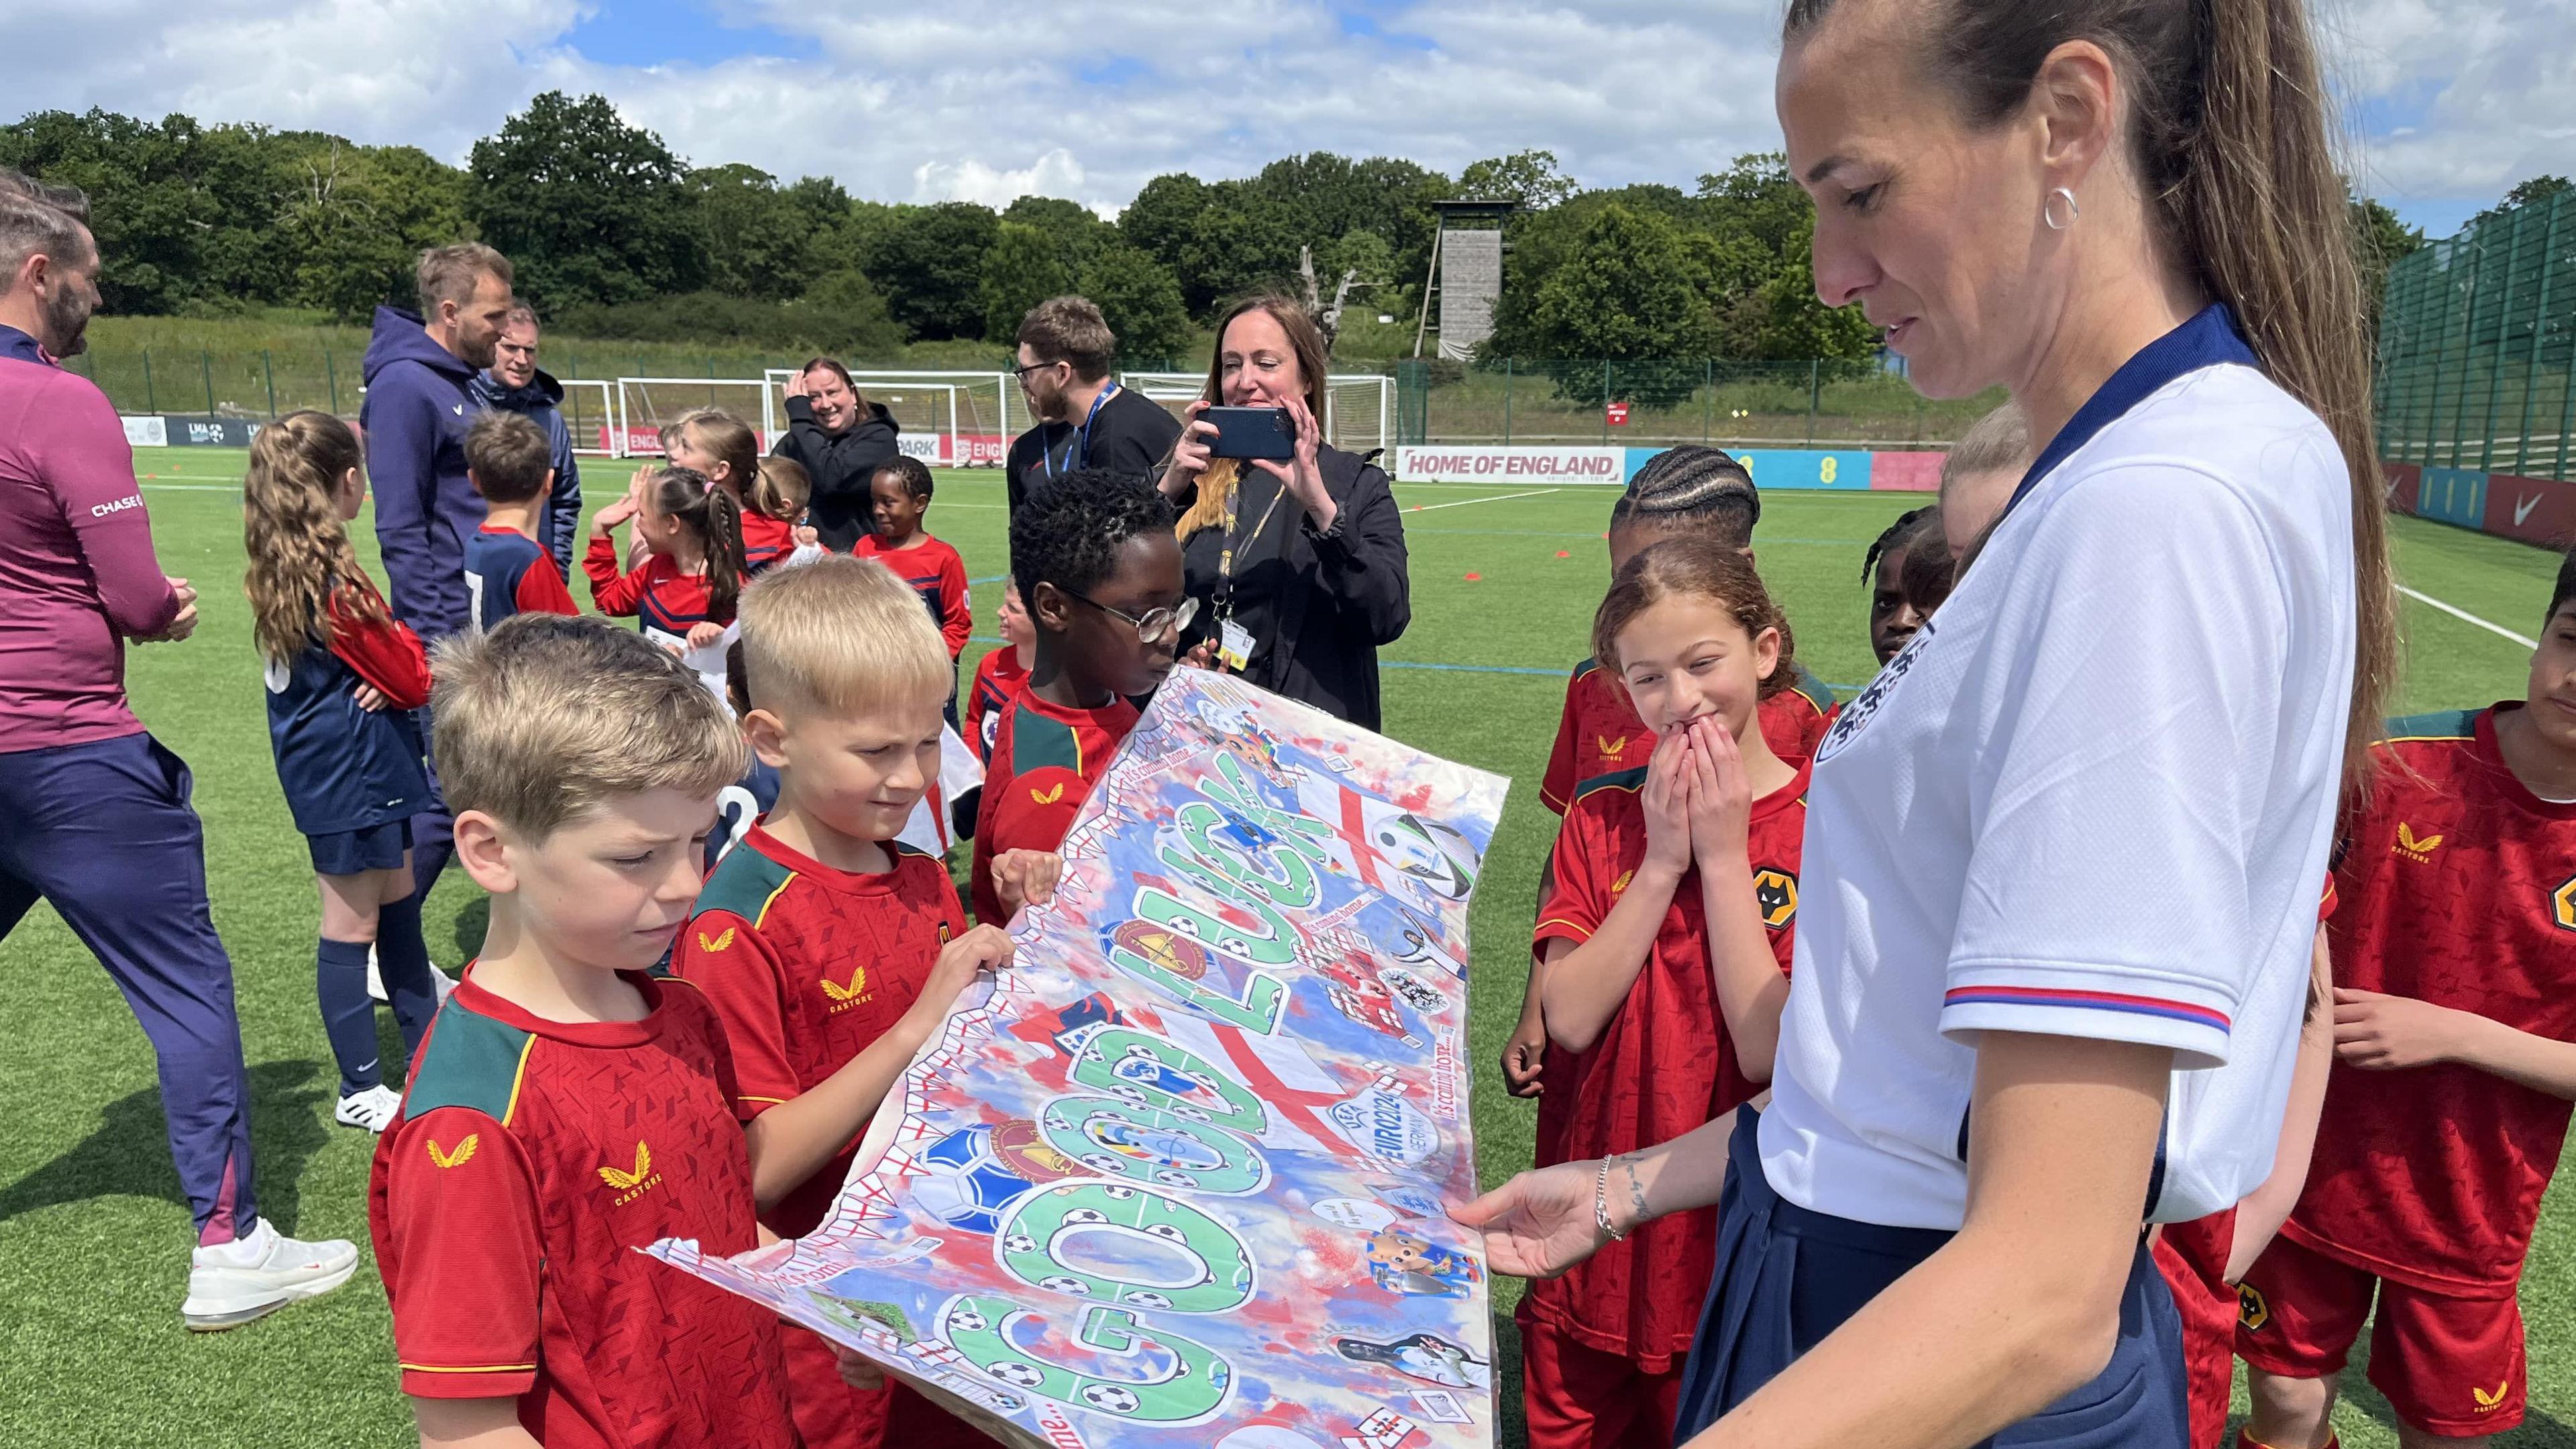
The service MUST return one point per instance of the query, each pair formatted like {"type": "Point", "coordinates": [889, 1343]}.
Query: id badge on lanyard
{"type": "Point", "coordinates": [1234, 643]}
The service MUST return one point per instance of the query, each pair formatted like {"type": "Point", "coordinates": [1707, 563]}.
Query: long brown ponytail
{"type": "Point", "coordinates": [300, 559]}
{"type": "Point", "coordinates": [2230, 137]}
{"type": "Point", "coordinates": [699, 504]}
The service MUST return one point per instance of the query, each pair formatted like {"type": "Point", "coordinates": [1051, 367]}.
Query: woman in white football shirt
{"type": "Point", "coordinates": [2062, 855]}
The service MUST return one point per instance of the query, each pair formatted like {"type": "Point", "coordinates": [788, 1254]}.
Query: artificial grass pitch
{"type": "Point", "coordinates": [94, 1235]}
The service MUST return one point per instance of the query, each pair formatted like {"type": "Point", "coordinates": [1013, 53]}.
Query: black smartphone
{"type": "Point", "coordinates": [1252, 433]}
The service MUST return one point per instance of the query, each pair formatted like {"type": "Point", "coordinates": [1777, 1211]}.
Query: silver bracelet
{"type": "Point", "coordinates": [1601, 1203]}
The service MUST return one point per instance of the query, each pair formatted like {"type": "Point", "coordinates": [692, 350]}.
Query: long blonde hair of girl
{"type": "Point", "coordinates": [1216, 485]}
{"type": "Point", "coordinates": [300, 559]}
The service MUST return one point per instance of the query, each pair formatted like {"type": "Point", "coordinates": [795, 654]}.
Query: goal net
{"type": "Point", "coordinates": [1359, 408]}
{"type": "Point", "coordinates": [645, 405]}
{"type": "Point", "coordinates": [590, 415]}
{"type": "Point", "coordinates": [951, 419]}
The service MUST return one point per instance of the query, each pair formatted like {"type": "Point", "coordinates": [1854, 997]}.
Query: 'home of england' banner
{"type": "Point", "coordinates": [1181, 1178]}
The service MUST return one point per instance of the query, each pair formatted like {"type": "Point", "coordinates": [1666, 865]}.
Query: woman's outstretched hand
{"type": "Point", "coordinates": [1540, 1223]}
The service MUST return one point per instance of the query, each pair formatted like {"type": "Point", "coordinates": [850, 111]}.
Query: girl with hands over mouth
{"type": "Point", "coordinates": [1665, 937]}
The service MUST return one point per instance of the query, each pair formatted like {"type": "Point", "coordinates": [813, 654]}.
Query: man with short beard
{"type": "Point", "coordinates": [98, 821]}
{"type": "Point", "coordinates": [419, 373]}
{"type": "Point", "coordinates": [515, 384]}
{"type": "Point", "coordinates": [1084, 419]}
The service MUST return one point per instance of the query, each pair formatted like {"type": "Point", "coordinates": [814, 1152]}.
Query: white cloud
{"type": "Point", "coordinates": [2466, 97]}
{"type": "Point", "coordinates": [986, 99]}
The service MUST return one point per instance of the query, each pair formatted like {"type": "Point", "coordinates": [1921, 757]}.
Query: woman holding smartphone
{"type": "Point", "coordinates": [1298, 564]}
{"type": "Point", "coordinates": [2061, 863]}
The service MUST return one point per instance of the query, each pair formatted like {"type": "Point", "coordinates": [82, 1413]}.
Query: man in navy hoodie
{"type": "Point", "coordinates": [420, 399]}
{"type": "Point", "coordinates": [515, 384]}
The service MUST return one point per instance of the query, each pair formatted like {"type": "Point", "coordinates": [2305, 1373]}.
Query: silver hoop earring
{"type": "Point", "coordinates": [2048, 214]}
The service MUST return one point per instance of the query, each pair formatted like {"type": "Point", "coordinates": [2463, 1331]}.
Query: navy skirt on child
{"type": "Point", "coordinates": [370, 847]}
{"type": "Point", "coordinates": [1787, 1276]}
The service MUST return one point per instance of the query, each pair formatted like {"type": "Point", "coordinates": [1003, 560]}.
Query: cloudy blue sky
{"type": "Point", "coordinates": [2449, 101]}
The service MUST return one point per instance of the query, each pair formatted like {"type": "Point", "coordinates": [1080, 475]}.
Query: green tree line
{"type": "Point", "coordinates": [615, 236]}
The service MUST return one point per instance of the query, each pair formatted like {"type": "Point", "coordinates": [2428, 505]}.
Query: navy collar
{"type": "Point", "coordinates": [2209, 339]}
{"type": "Point", "coordinates": [17, 344]}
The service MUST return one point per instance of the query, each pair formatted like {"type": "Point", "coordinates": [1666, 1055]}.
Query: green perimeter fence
{"type": "Point", "coordinates": [2477, 347]}
{"type": "Point", "coordinates": [1593, 401]}
{"type": "Point", "coordinates": [1509, 400]}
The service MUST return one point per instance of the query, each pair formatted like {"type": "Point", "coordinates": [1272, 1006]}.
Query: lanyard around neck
{"type": "Point", "coordinates": [1225, 556]}
{"type": "Point", "coordinates": [1081, 439]}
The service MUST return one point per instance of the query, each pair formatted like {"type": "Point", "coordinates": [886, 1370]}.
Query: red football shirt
{"type": "Point", "coordinates": [997, 678]}
{"type": "Point", "coordinates": [937, 574]}
{"type": "Point", "coordinates": [808, 966]}
{"type": "Point", "coordinates": [765, 540]}
{"type": "Point", "coordinates": [1599, 732]}
{"type": "Point", "coordinates": [2458, 887]}
{"type": "Point", "coordinates": [1663, 1065]}
{"type": "Point", "coordinates": [530, 1158]}
{"type": "Point", "coordinates": [654, 593]}
{"type": "Point", "coordinates": [1045, 760]}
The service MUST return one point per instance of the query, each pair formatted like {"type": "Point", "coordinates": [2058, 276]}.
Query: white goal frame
{"type": "Point", "coordinates": [607, 417]}
{"type": "Point", "coordinates": [1352, 401]}
{"type": "Point", "coordinates": [625, 431]}
{"type": "Point", "coordinates": [955, 384]}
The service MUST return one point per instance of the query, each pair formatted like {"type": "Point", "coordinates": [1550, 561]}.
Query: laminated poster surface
{"type": "Point", "coordinates": [1181, 1178]}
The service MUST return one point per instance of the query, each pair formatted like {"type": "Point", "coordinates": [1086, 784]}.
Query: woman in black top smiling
{"type": "Point", "coordinates": [1299, 567]}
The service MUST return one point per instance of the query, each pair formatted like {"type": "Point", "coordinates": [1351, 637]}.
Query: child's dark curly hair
{"type": "Point", "coordinates": [1068, 531]}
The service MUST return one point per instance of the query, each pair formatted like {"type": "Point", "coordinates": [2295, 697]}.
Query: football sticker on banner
{"type": "Point", "coordinates": [1182, 1178]}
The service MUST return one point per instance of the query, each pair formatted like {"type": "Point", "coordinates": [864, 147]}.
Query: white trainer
{"type": "Point", "coordinates": [232, 1283]}
{"type": "Point", "coordinates": [373, 1108]}
{"type": "Point", "coordinates": [442, 983]}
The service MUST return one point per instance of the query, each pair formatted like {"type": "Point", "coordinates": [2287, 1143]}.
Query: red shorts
{"type": "Point", "coordinates": [2184, 1253]}
{"type": "Point", "coordinates": [2450, 1366]}
{"type": "Point", "coordinates": [1579, 1397]}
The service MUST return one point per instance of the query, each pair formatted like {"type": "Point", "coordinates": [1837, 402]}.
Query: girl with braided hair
{"type": "Point", "coordinates": [1907, 573]}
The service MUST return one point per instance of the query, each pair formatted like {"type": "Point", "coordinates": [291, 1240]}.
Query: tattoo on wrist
{"type": "Point", "coordinates": [1636, 1191]}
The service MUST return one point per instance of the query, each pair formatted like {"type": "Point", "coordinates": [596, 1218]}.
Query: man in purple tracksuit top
{"type": "Point", "coordinates": [98, 818]}
{"type": "Point", "coordinates": [420, 373]}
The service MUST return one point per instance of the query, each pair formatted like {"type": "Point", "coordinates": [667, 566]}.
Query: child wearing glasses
{"type": "Point", "coordinates": [1099, 569]}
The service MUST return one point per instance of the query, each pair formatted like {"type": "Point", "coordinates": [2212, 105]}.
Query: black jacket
{"type": "Point", "coordinates": [1317, 606]}
{"type": "Point", "coordinates": [840, 467]}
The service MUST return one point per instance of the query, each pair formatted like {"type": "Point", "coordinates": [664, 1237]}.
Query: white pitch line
{"type": "Point", "coordinates": [1463, 502]}
{"type": "Point", "coordinates": [2457, 612]}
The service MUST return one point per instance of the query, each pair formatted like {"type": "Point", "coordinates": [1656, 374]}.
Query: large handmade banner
{"type": "Point", "coordinates": [1181, 1178]}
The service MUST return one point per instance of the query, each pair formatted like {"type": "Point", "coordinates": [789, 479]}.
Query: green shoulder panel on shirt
{"type": "Point", "coordinates": [743, 883]}
{"type": "Point", "coordinates": [469, 1061]}
{"type": "Point", "coordinates": [1586, 667]}
{"type": "Point", "coordinates": [1616, 780]}
{"type": "Point", "coordinates": [1039, 743]}
{"type": "Point", "coordinates": [2448, 724]}
{"type": "Point", "coordinates": [1801, 682]}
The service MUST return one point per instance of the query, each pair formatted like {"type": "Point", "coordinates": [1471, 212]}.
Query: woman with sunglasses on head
{"type": "Point", "coordinates": [1299, 566]}
{"type": "Point", "coordinates": [2060, 873]}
